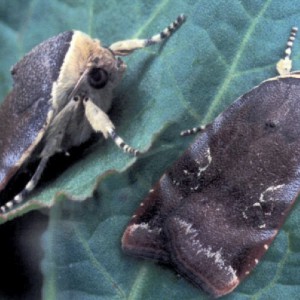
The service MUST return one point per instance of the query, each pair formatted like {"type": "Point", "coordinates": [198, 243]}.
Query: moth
{"type": "Point", "coordinates": [215, 212]}
{"type": "Point", "coordinates": [61, 94]}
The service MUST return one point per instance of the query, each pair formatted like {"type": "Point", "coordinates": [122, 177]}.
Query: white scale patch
{"type": "Point", "coordinates": [175, 182]}
{"type": "Point", "coordinates": [209, 158]}
{"type": "Point", "coordinates": [200, 169]}
{"type": "Point", "coordinates": [144, 226]}
{"type": "Point", "coordinates": [199, 248]}
{"type": "Point", "coordinates": [269, 189]}
{"type": "Point", "coordinates": [262, 199]}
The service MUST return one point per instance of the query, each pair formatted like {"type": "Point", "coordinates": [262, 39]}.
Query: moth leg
{"type": "Point", "coordinates": [193, 130]}
{"type": "Point", "coordinates": [100, 122]}
{"type": "Point", "coordinates": [284, 65]}
{"type": "Point", "coordinates": [28, 188]}
{"type": "Point", "coordinates": [126, 47]}
{"type": "Point", "coordinates": [54, 138]}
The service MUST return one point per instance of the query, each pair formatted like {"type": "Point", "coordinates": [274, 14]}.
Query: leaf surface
{"type": "Point", "coordinates": [223, 50]}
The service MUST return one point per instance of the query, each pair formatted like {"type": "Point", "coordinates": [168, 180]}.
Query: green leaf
{"type": "Point", "coordinates": [224, 49]}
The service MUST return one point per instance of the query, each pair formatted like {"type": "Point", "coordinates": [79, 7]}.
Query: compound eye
{"type": "Point", "coordinates": [97, 78]}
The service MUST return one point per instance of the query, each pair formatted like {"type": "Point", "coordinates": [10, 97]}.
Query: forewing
{"type": "Point", "coordinates": [23, 115]}
{"type": "Point", "coordinates": [236, 184]}
{"type": "Point", "coordinates": [220, 232]}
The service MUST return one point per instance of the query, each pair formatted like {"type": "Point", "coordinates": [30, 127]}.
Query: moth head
{"type": "Point", "coordinates": [104, 69]}
{"type": "Point", "coordinates": [89, 69]}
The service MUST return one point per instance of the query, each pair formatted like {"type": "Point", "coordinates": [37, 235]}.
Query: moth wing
{"type": "Point", "coordinates": [234, 208]}
{"type": "Point", "coordinates": [23, 114]}
{"type": "Point", "coordinates": [143, 236]}
{"type": "Point", "coordinates": [236, 183]}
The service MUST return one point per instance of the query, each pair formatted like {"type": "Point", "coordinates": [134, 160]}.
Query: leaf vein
{"type": "Point", "coordinates": [233, 66]}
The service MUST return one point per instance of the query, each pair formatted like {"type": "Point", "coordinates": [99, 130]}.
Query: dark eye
{"type": "Point", "coordinates": [97, 78]}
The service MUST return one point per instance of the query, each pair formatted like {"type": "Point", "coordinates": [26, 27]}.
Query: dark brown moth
{"type": "Point", "coordinates": [214, 213]}
{"type": "Point", "coordinates": [61, 95]}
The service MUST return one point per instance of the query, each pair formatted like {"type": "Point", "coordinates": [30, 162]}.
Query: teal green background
{"type": "Point", "coordinates": [224, 49]}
